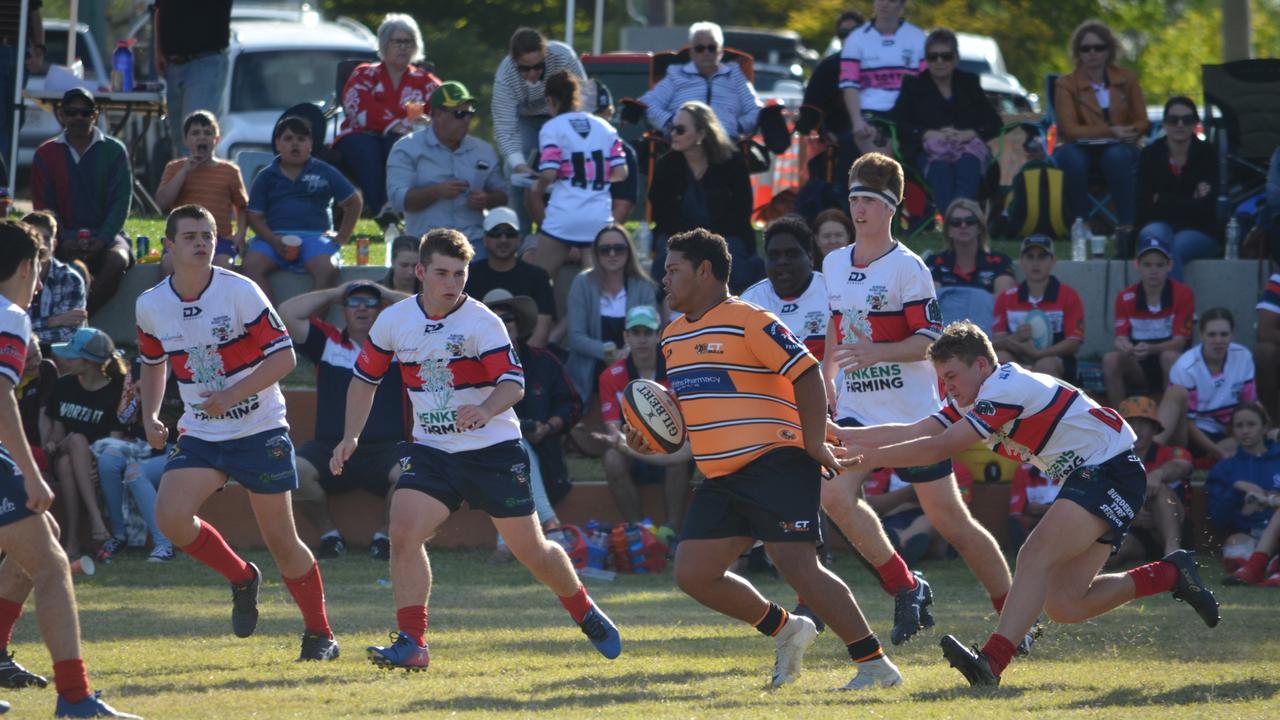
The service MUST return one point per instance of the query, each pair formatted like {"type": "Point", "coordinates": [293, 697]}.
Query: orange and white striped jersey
{"type": "Point", "coordinates": [732, 371]}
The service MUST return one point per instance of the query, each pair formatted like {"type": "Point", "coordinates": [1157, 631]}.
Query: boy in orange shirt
{"type": "Point", "coordinates": [201, 179]}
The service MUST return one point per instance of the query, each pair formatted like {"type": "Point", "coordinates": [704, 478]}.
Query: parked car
{"type": "Point", "coordinates": [980, 54]}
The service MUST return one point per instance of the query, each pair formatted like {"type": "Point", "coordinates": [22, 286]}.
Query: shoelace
{"type": "Point", "coordinates": [593, 626]}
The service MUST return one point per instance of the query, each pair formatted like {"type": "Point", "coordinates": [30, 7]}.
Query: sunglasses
{"type": "Point", "coordinates": [940, 57]}
{"type": "Point", "coordinates": [679, 129]}
{"type": "Point", "coordinates": [536, 67]}
{"type": "Point", "coordinates": [503, 234]}
{"type": "Point", "coordinates": [709, 48]}
{"type": "Point", "coordinates": [1184, 120]}
{"type": "Point", "coordinates": [359, 301]}
{"type": "Point", "coordinates": [78, 112]}
{"type": "Point", "coordinates": [968, 220]}
{"type": "Point", "coordinates": [612, 249]}
{"type": "Point", "coordinates": [403, 43]}
{"type": "Point", "coordinates": [1099, 48]}
{"type": "Point", "coordinates": [463, 114]}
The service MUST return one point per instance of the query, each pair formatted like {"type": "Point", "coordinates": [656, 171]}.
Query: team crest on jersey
{"type": "Point", "coordinates": [454, 345]}
{"type": "Point", "coordinates": [932, 312]}
{"type": "Point", "coordinates": [278, 447]}
{"type": "Point", "coordinates": [877, 297]}
{"type": "Point", "coordinates": [220, 326]}
{"type": "Point", "coordinates": [984, 407]}
{"type": "Point", "coordinates": [815, 323]}
{"type": "Point", "coordinates": [582, 126]}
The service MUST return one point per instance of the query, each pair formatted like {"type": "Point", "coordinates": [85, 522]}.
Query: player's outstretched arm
{"type": "Point", "coordinates": [359, 401]}
{"type": "Point", "coordinates": [270, 371]}
{"type": "Point", "coordinates": [151, 386]}
{"type": "Point", "coordinates": [921, 451]}
{"type": "Point", "coordinates": [878, 436]}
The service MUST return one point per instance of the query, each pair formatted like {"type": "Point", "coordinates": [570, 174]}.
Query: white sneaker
{"type": "Point", "coordinates": [793, 640]}
{"type": "Point", "coordinates": [880, 672]}
{"type": "Point", "coordinates": [161, 554]}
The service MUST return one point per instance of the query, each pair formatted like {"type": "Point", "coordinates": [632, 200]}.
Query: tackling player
{"type": "Point", "coordinates": [463, 377]}
{"type": "Point", "coordinates": [228, 349]}
{"type": "Point", "coordinates": [1042, 420]}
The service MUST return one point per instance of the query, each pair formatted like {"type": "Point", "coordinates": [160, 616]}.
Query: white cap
{"type": "Point", "coordinates": [501, 216]}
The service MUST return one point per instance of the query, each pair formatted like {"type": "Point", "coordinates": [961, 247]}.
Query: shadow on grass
{"type": "Point", "coordinates": [1236, 690]}
{"type": "Point", "coordinates": [152, 687]}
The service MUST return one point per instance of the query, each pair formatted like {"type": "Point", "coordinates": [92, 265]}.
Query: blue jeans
{"type": "Point", "coordinates": [1118, 162]}
{"type": "Point", "coordinates": [1187, 244]}
{"type": "Point", "coordinates": [191, 86]}
{"type": "Point", "coordinates": [117, 471]}
{"type": "Point", "coordinates": [952, 180]}
{"type": "Point", "coordinates": [366, 156]}
{"type": "Point", "coordinates": [9, 69]}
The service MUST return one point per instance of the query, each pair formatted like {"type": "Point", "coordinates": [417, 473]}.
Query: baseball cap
{"type": "Point", "coordinates": [1141, 406]}
{"type": "Point", "coordinates": [367, 286]}
{"type": "Point", "coordinates": [604, 98]}
{"type": "Point", "coordinates": [642, 316]}
{"type": "Point", "coordinates": [501, 216]}
{"type": "Point", "coordinates": [451, 95]}
{"type": "Point", "coordinates": [1151, 242]}
{"type": "Point", "coordinates": [79, 93]}
{"type": "Point", "coordinates": [88, 344]}
{"type": "Point", "coordinates": [1044, 242]}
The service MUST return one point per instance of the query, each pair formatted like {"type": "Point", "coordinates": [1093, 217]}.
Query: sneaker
{"type": "Point", "coordinates": [971, 663]}
{"type": "Point", "coordinates": [4, 707]}
{"type": "Point", "coordinates": [402, 653]}
{"type": "Point", "coordinates": [90, 707]}
{"type": "Point", "coordinates": [909, 611]}
{"type": "Point", "coordinates": [318, 647]}
{"type": "Point", "coordinates": [880, 672]}
{"type": "Point", "coordinates": [14, 676]}
{"type": "Point", "coordinates": [380, 548]}
{"type": "Point", "coordinates": [792, 641]}
{"type": "Point", "coordinates": [1273, 580]}
{"type": "Point", "coordinates": [108, 550]}
{"type": "Point", "coordinates": [1024, 647]}
{"type": "Point", "coordinates": [244, 604]}
{"type": "Point", "coordinates": [331, 546]}
{"type": "Point", "coordinates": [805, 611]}
{"type": "Point", "coordinates": [601, 631]}
{"type": "Point", "coordinates": [161, 554]}
{"type": "Point", "coordinates": [1190, 590]}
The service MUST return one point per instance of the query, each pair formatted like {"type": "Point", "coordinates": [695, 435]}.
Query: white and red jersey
{"type": "Point", "coordinates": [15, 333]}
{"type": "Point", "coordinates": [1042, 420]}
{"type": "Point", "coordinates": [583, 150]}
{"type": "Point", "coordinates": [212, 342]}
{"type": "Point", "coordinates": [1270, 300]}
{"type": "Point", "coordinates": [888, 300]}
{"type": "Point", "coordinates": [1212, 398]}
{"type": "Point", "coordinates": [874, 64]}
{"type": "Point", "coordinates": [805, 316]}
{"type": "Point", "coordinates": [445, 363]}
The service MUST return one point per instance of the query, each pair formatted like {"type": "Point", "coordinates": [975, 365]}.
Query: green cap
{"type": "Point", "coordinates": [451, 95]}
{"type": "Point", "coordinates": [642, 316]}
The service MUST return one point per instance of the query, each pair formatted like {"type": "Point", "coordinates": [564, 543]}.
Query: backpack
{"type": "Point", "coordinates": [1037, 203]}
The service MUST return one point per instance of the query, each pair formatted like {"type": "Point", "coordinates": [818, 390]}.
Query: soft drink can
{"type": "Point", "coordinates": [362, 249]}
{"type": "Point", "coordinates": [144, 246]}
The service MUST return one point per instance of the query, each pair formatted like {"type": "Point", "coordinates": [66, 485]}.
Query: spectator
{"type": "Point", "coordinates": [1153, 327]}
{"type": "Point", "coordinates": [83, 410]}
{"type": "Point", "coordinates": [624, 469]}
{"type": "Point", "coordinates": [191, 56]}
{"type": "Point", "coordinates": [204, 180]}
{"type": "Point", "coordinates": [58, 307]}
{"type": "Point", "coordinates": [402, 276]}
{"type": "Point", "coordinates": [334, 351]}
{"type": "Point", "coordinates": [1039, 323]}
{"type": "Point", "coordinates": [793, 290]}
{"type": "Point", "coordinates": [291, 198]}
{"type": "Point", "coordinates": [704, 183]}
{"type": "Point", "coordinates": [1266, 351]}
{"type": "Point", "coordinates": [848, 21]}
{"type": "Point", "coordinates": [1101, 116]}
{"type": "Point", "coordinates": [905, 524]}
{"type": "Point", "coordinates": [11, 69]}
{"type": "Point", "coordinates": [85, 178]}
{"type": "Point", "coordinates": [39, 375]}
{"type": "Point", "coordinates": [1244, 494]}
{"type": "Point", "coordinates": [875, 58]}
{"type": "Point", "coordinates": [519, 94]}
{"type": "Point", "coordinates": [381, 103]}
{"type": "Point", "coordinates": [969, 260]}
{"type": "Point", "coordinates": [833, 230]}
{"type": "Point", "coordinates": [1178, 187]}
{"type": "Point", "coordinates": [442, 176]}
{"type": "Point", "coordinates": [944, 121]}
{"type": "Point", "coordinates": [1157, 530]}
{"type": "Point", "coordinates": [1030, 496]}
{"type": "Point", "coordinates": [580, 156]}
{"type": "Point", "coordinates": [824, 110]}
{"type": "Point", "coordinates": [1205, 385]}
{"type": "Point", "coordinates": [503, 268]}
{"type": "Point", "coordinates": [721, 85]}
{"type": "Point", "coordinates": [623, 193]}
{"type": "Point", "coordinates": [599, 301]}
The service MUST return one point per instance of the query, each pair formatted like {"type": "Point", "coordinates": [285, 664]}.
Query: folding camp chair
{"type": "Point", "coordinates": [1099, 194]}
{"type": "Point", "coordinates": [1246, 93]}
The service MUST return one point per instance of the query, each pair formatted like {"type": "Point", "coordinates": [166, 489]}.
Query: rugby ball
{"type": "Point", "coordinates": [1041, 329]}
{"type": "Point", "coordinates": [652, 410]}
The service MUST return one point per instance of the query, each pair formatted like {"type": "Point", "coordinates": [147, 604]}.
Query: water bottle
{"type": "Point", "coordinates": [635, 549]}
{"type": "Point", "coordinates": [122, 66]}
{"type": "Point", "coordinates": [1233, 239]}
{"type": "Point", "coordinates": [597, 546]}
{"type": "Point", "coordinates": [1078, 238]}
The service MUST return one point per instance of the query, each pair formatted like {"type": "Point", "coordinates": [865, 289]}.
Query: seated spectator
{"type": "Point", "coordinates": [721, 85]}
{"type": "Point", "coordinates": [969, 260]}
{"type": "Point", "coordinates": [1101, 116]}
{"type": "Point", "coordinates": [291, 198]}
{"type": "Point", "coordinates": [793, 290]}
{"type": "Point", "coordinates": [1266, 350]}
{"type": "Point", "coordinates": [905, 524]}
{"type": "Point", "coordinates": [873, 62]}
{"type": "Point", "coordinates": [204, 180]}
{"type": "Point", "coordinates": [58, 307]}
{"type": "Point", "coordinates": [442, 176]}
{"type": "Point", "coordinates": [579, 157]}
{"type": "Point", "coordinates": [1244, 497]}
{"type": "Point", "coordinates": [832, 230]}
{"type": "Point", "coordinates": [1205, 385]}
{"type": "Point", "coordinates": [944, 121]}
{"type": "Point", "coordinates": [83, 410]}
{"type": "Point", "coordinates": [1177, 190]}
{"type": "Point", "coordinates": [1153, 327]}
{"type": "Point", "coordinates": [824, 109]}
{"type": "Point", "coordinates": [703, 182]}
{"type": "Point", "coordinates": [625, 469]}
{"type": "Point", "coordinates": [503, 268]}
{"type": "Point", "coordinates": [519, 94]}
{"type": "Point", "coordinates": [1157, 530]}
{"type": "Point", "coordinates": [334, 351]}
{"type": "Point", "coordinates": [599, 300]}
{"type": "Point", "coordinates": [34, 390]}
{"type": "Point", "coordinates": [402, 275]}
{"type": "Point", "coordinates": [1030, 496]}
{"type": "Point", "coordinates": [623, 193]}
{"type": "Point", "coordinates": [381, 103]}
{"type": "Point", "coordinates": [85, 178]}
{"type": "Point", "coordinates": [1039, 323]}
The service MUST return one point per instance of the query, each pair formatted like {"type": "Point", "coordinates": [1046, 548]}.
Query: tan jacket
{"type": "Point", "coordinates": [1079, 115]}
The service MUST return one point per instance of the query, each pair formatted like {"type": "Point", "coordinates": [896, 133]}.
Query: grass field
{"type": "Point", "coordinates": [158, 642]}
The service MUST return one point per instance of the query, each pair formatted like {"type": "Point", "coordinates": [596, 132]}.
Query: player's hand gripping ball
{"type": "Point", "coordinates": [651, 410]}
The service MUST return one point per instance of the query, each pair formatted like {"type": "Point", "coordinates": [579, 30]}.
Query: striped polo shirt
{"type": "Point", "coordinates": [215, 186]}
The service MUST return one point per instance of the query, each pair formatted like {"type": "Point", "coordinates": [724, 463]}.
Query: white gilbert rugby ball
{"type": "Point", "coordinates": [654, 413]}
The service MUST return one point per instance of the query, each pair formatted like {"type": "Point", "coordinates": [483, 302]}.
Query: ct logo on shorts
{"type": "Point", "coordinates": [790, 526]}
